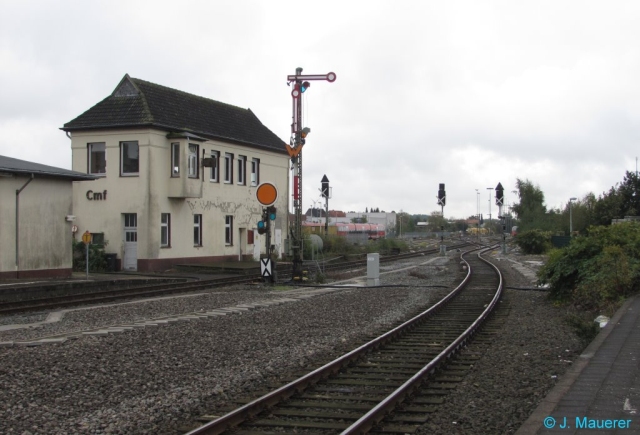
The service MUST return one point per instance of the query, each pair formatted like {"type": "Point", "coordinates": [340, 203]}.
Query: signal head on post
{"type": "Point", "coordinates": [262, 227]}
{"type": "Point", "coordinates": [303, 134]}
{"type": "Point", "coordinates": [499, 194]}
{"type": "Point", "coordinates": [304, 86]}
{"type": "Point", "coordinates": [271, 213]}
{"type": "Point", "coordinates": [442, 195]}
{"type": "Point", "coordinates": [325, 187]}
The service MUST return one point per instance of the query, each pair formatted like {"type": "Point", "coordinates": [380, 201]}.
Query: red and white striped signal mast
{"type": "Point", "coordinates": [297, 141]}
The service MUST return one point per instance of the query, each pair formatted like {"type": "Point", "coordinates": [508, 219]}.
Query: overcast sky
{"type": "Point", "coordinates": [466, 93]}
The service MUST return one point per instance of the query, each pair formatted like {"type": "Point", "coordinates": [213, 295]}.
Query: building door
{"type": "Point", "coordinates": [256, 245]}
{"type": "Point", "coordinates": [130, 261]}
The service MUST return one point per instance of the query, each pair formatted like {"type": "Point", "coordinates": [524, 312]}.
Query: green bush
{"type": "Point", "coordinates": [584, 326]}
{"type": "Point", "coordinates": [387, 246]}
{"type": "Point", "coordinates": [97, 258]}
{"type": "Point", "coordinates": [534, 241]}
{"type": "Point", "coordinates": [338, 245]}
{"type": "Point", "coordinates": [598, 270]}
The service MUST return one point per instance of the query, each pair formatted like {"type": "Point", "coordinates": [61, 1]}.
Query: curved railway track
{"type": "Point", "coordinates": [154, 290]}
{"type": "Point", "coordinates": [368, 387]}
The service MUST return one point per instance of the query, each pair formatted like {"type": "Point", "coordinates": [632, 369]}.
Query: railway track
{"type": "Point", "coordinates": [154, 290]}
{"type": "Point", "coordinates": [368, 388]}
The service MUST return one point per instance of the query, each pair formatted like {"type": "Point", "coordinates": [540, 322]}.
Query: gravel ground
{"type": "Point", "coordinates": [152, 380]}
{"type": "Point", "coordinates": [21, 319]}
{"type": "Point", "coordinates": [149, 381]}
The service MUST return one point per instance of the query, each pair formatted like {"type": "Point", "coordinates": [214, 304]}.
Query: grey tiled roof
{"type": "Point", "coordinates": [138, 103]}
{"type": "Point", "coordinates": [9, 165]}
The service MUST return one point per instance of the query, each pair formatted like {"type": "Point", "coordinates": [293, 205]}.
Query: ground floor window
{"type": "Point", "coordinates": [97, 239]}
{"type": "Point", "coordinates": [197, 230]}
{"type": "Point", "coordinates": [165, 230]}
{"type": "Point", "coordinates": [130, 227]}
{"type": "Point", "coordinates": [228, 230]}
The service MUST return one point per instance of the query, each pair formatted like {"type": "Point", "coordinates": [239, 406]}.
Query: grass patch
{"type": "Point", "coordinates": [583, 325]}
{"type": "Point", "coordinates": [281, 288]}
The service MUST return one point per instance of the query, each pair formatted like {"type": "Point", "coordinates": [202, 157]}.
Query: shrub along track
{"type": "Point", "coordinates": [369, 387]}
{"type": "Point", "coordinates": [153, 290]}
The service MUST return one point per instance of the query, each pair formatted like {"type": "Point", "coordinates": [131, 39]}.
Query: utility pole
{"type": "Point", "coordinates": [298, 134]}
{"type": "Point", "coordinates": [478, 213]}
{"type": "Point", "coordinates": [489, 189]}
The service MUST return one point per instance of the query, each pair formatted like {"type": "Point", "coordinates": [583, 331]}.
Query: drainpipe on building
{"type": "Point", "coordinates": [18, 224]}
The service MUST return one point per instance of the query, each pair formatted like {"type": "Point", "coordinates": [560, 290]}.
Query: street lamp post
{"type": "Point", "coordinates": [478, 213]}
{"type": "Point", "coordinates": [571, 216]}
{"type": "Point", "coordinates": [489, 189]}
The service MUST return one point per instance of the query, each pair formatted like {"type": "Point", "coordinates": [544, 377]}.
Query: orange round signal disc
{"type": "Point", "coordinates": [267, 193]}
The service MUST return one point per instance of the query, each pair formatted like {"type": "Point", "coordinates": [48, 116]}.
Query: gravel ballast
{"type": "Point", "coordinates": [152, 380]}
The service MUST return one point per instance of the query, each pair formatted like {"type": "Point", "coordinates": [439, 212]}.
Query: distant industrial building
{"type": "Point", "coordinates": [380, 218]}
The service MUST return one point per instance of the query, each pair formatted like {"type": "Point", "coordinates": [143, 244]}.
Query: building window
{"type": "Point", "coordinates": [215, 167]}
{"type": "Point", "coordinates": [97, 158]}
{"type": "Point", "coordinates": [165, 230]}
{"type": "Point", "coordinates": [228, 230]}
{"type": "Point", "coordinates": [175, 159]}
{"type": "Point", "coordinates": [129, 158]}
{"type": "Point", "coordinates": [242, 170]}
{"type": "Point", "coordinates": [228, 168]}
{"type": "Point", "coordinates": [97, 239]}
{"type": "Point", "coordinates": [193, 161]}
{"type": "Point", "coordinates": [130, 227]}
{"type": "Point", "coordinates": [255, 172]}
{"type": "Point", "coordinates": [197, 230]}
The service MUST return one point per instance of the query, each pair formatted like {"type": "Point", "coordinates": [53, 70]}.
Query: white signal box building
{"type": "Point", "coordinates": [177, 175]}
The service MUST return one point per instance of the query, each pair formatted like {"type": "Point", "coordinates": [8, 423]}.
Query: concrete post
{"type": "Point", "coordinates": [373, 269]}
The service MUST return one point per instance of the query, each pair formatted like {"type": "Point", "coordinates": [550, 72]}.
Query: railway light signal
{"type": "Point", "coordinates": [262, 227]}
{"type": "Point", "coordinates": [271, 213]}
{"type": "Point", "coordinates": [442, 195]}
{"type": "Point", "coordinates": [303, 134]}
{"type": "Point", "coordinates": [304, 86]}
{"type": "Point", "coordinates": [325, 186]}
{"type": "Point", "coordinates": [499, 194]}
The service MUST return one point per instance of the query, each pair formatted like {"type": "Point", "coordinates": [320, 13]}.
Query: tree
{"type": "Point", "coordinates": [404, 223]}
{"type": "Point", "coordinates": [436, 221]}
{"type": "Point", "coordinates": [608, 207]}
{"type": "Point", "coordinates": [629, 192]}
{"type": "Point", "coordinates": [530, 209]}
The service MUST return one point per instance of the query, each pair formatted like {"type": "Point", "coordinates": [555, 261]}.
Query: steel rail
{"type": "Point", "coordinates": [251, 409]}
{"type": "Point", "coordinates": [166, 288]}
{"type": "Point", "coordinates": [377, 413]}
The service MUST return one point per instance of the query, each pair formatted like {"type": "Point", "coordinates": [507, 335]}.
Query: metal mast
{"type": "Point", "coordinates": [298, 135]}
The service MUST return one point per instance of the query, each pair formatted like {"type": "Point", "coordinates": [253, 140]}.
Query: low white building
{"type": "Point", "coordinates": [176, 177]}
{"type": "Point", "coordinates": [37, 219]}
